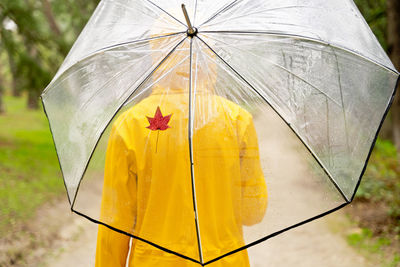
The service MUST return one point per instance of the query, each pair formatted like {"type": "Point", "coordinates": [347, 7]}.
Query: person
{"type": "Point", "coordinates": [148, 190]}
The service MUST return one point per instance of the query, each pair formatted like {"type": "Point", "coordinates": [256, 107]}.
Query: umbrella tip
{"type": "Point", "coordinates": [191, 31]}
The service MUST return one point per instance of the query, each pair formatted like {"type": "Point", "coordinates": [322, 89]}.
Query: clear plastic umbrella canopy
{"type": "Point", "coordinates": [203, 141]}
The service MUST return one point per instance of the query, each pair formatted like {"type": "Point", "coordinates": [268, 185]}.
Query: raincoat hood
{"type": "Point", "coordinates": [178, 67]}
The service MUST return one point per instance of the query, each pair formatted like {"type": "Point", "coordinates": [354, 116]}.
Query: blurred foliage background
{"type": "Point", "coordinates": [35, 37]}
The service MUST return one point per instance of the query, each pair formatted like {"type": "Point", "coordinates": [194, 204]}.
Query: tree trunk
{"type": "Point", "coordinates": [33, 90]}
{"type": "Point", "coordinates": [48, 12]}
{"type": "Point", "coordinates": [13, 69]}
{"type": "Point", "coordinates": [9, 46]}
{"type": "Point", "coordinates": [393, 9]}
{"type": "Point", "coordinates": [2, 109]}
{"type": "Point", "coordinates": [33, 99]}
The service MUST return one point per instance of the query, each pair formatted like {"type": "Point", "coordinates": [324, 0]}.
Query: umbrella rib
{"type": "Point", "coordinates": [192, 109]}
{"type": "Point", "coordinates": [288, 124]}
{"type": "Point", "coordinates": [169, 14]}
{"type": "Point", "coordinates": [118, 109]}
{"type": "Point", "coordinates": [308, 39]}
{"type": "Point", "coordinates": [223, 9]}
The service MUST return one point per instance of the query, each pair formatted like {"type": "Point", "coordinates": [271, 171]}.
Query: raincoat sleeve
{"type": "Point", "coordinates": [118, 207]}
{"type": "Point", "coordinates": [254, 189]}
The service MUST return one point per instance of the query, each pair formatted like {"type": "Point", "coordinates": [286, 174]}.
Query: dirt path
{"type": "Point", "coordinates": [297, 192]}
{"type": "Point", "coordinates": [313, 244]}
{"type": "Point", "coordinates": [77, 244]}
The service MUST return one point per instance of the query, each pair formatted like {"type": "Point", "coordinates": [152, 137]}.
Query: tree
{"type": "Point", "coordinates": [50, 17]}
{"type": "Point", "coordinates": [394, 51]}
{"type": "Point", "coordinates": [2, 109]}
{"type": "Point", "coordinates": [9, 45]}
{"type": "Point", "coordinates": [45, 31]}
{"type": "Point", "coordinates": [374, 12]}
{"type": "Point", "coordinates": [34, 50]}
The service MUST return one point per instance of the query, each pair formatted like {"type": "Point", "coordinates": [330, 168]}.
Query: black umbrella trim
{"type": "Point", "coordinates": [136, 237]}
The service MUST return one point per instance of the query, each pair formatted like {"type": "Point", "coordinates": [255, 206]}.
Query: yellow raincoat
{"type": "Point", "coordinates": [147, 184]}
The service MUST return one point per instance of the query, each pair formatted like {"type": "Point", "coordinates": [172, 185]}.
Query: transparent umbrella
{"type": "Point", "coordinates": [204, 130]}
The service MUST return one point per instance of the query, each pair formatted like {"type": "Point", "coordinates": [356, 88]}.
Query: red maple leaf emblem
{"type": "Point", "coordinates": [159, 122]}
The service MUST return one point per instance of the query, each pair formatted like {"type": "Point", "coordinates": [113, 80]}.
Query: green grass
{"type": "Point", "coordinates": [374, 248]}
{"type": "Point", "coordinates": [382, 181]}
{"type": "Point", "coordinates": [364, 240]}
{"type": "Point", "coordinates": [29, 170]}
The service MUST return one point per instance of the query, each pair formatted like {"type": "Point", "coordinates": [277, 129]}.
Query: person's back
{"type": "Point", "coordinates": [156, 198]}
{"type": "Point", "coordinates": [148, 181]}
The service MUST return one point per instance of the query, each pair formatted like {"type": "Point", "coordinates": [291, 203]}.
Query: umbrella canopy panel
{"type": "Point", "coordinates": [118, 22]}
{"type": "Point", "coordinates": [201, 146]}
{"type": "Point", "coordinates": [83, 100]}
{"type": "Point", "coordinates": [328, 96]}
{"type": "Point", "coordinates": [335, 22]}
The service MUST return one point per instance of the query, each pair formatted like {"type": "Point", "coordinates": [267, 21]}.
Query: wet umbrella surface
{"type": "Point", "coordinates": [164, 109]}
